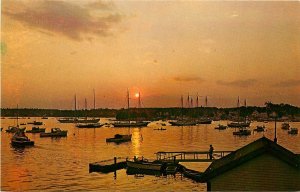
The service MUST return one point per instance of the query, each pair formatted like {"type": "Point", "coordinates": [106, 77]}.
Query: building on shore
{"type": "Point", "coordinates": [262, 165]}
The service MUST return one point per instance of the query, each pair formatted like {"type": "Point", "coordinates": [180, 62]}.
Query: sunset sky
{"type": "Point", "coordinates": [52, 50]}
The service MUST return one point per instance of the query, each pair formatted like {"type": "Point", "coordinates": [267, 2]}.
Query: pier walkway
{"type": "Point", "coordinates": [189, 156]}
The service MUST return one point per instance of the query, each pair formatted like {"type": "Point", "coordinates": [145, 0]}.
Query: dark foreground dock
{"type": "Point", "coordinates": [108, 166]}
{"type": "Point", "coordinates": [171, 160]}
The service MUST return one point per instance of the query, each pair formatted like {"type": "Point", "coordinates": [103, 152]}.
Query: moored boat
{"type": "Point", "coordinates": [79, 120]}
{"type": "Point", "coordinates": [183, 123]}
{"type": "Point", "coordinates": [260, 128]}
{"type": "Point", "coordinates": [285, 126]}
{"type": "Point", "coordinates": [130, 124]}
{"type": "Point", "coordinates": [118, 138]}
{"type": "Point", "coordinates": [239, 124]}
{"type": "Point", "coordinates": [204, 121]}
{"type": "Point", "coordinates": [293, 131]}
{"type": "Point", "coordinates": [36, 130]}
{"type": "Point", "coordinates": [12, 129]}
{"type": "Point", "coordinates": [55, 132]}
{"type": "Point", "coordinates": [89, 125]}
{"type": "Point", "coordinates": [221, 127]}
{"type": "Point", "coordinates": [36, 123]}
{"type": "Point", "coordinates": [144, 164]}
{"type": "Point", "coordinates": [21, 140]}
{"type": "Point", "coordinates": [242, 132]}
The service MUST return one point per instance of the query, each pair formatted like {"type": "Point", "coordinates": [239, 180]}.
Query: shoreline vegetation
{"type": "Point", "coordinates": [284, 112]}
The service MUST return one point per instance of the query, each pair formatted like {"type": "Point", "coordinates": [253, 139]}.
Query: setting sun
{"type": "Point", "coordinates": [137, 95]}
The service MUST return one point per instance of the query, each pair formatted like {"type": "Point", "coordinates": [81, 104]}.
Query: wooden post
{"type": "Point", "coordinates": [115, 160]}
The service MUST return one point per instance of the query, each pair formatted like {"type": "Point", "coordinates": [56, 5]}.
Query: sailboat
{"type": "Point", "coordinates": [20, 139]}
{"type": "Point", "coordinates": [14, 129]}
{"type": "Point", "coordinates": [78, 120]}
{"type": "Point", "coordinates": [239, 124]}
{"type": "Point", "coordinates": [130, 123]}
{"type": "Point", "coordinates": [86, 123]}
{"type": "Point", "coordinates": [183, 122]}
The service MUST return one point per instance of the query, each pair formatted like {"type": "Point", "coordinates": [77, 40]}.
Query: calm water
{"type": "Point", "coordinates": [62, 164]}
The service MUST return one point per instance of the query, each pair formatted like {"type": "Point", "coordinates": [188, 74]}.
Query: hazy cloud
{"type": "Point", "coordinates": [187, 79]}
{"type": "Point", "coordinates": [238, 83]}
{"type": "Point", "coordinates": [103, 5]}
{"type": "Point", "coordinates": [288, 83]}
{"type": "Point", "coordinates": [207, 46]}
{"type": "Point", "coordinates": [67, 18]}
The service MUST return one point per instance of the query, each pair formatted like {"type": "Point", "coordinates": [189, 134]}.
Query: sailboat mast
{"type": "Point", "coordinates": [127, 98]}
{"type": "Point", "coordinates": [197, 101]}
{"type": "Point", "coordinates": [17, 115]}
{"type": "Point", "coordinates": [140, 105]}
{"type": "Point", "coordinates": [75, 102]}
{"type": "Point", "coordinates": [181, 107]}
{"type": "Point", "coordinates": [94, 100]}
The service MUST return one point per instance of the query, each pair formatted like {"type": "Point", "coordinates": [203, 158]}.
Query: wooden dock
{"type": "Point", "coordinates": [107, 166]}
{"type": "Point", "coordinates": [189, 156]}
{"type": "Point", "coordinates": [112, 165]}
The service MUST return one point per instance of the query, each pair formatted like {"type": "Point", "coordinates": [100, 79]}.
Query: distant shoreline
{"type": "Point", "coordinates": [281, 111]}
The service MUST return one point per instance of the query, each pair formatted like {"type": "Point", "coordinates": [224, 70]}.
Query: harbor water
{"type": "Point", "coordinates": [55, 164]}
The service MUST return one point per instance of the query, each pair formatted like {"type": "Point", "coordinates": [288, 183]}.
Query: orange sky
{"type": "Point", "coordinates": [54, 49]}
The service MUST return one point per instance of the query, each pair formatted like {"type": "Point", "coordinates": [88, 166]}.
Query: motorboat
{"type": "Point", "coordinates": [260, 128]}
{"type": "Point", "coordinates": [285, 126]}
{"type": "Point", "coordinates": [13, 129]}
{"type": "Point", "coordinates": [293, 131]}
{"type": "Point", "coordinates": [130, 124]}
{"type": "Point", "coordinates": [242, 132]}
{"type": "Point", "coordinates": [36, 130]}
{"type": "Point", "coordinates": [55, 132]}
{"type": "Point", "coordinates": [118, 138]}
{"type": "Point", "coordinates": [89, 125]}
{"type": "Point", "coordinates": [221, 127]}
{"type": "Point", "coordinates": [239, 124]}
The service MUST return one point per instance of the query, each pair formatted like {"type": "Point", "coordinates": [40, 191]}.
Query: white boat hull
{"type": "Point", "coordinates": [144, 165]}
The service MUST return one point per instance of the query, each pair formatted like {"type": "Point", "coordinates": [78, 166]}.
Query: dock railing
{"type": "Point", "coordinates": [190, 156]}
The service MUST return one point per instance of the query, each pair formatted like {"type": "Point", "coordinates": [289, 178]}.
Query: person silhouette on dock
{"type": "Point", "coordinates": [210, 152]}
